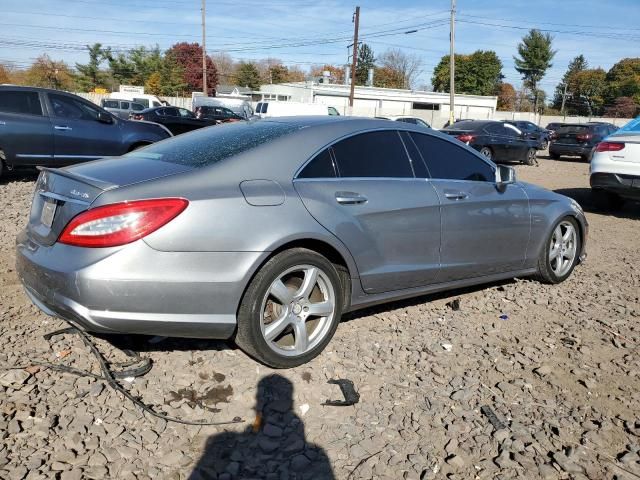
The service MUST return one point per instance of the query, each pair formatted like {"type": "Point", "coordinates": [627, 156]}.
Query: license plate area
{"type": "Point", "coordinates": [49, 207]}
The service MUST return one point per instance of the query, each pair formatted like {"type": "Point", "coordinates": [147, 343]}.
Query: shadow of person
{"type": "Point", "coordinates": [273, 448]}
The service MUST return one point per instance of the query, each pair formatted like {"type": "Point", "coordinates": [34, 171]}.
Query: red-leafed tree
{"type": "Point", "coordinates": [189, 57]}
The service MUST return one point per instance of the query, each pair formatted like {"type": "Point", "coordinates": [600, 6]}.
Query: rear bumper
{"type": "Point", "coordinates": [624, 185]}
{"type": "Point", "coordinates": [568, 149]}
{"type": "Point", "coordinates": [136, 289]}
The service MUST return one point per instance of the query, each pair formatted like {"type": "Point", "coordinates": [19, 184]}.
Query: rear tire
{"type": "Point", "coordinates": [560, 252]}
{"type": "Point", "coordinates": [3, 160]}
{"type": "Point", "coordinates": [605, 200]}
{"type": "Point", "coordinates": [530, 159]}
{"type": "Point", "coordinates": [276, 321]}
{"type": "Point", "coordinates": [486, 152]}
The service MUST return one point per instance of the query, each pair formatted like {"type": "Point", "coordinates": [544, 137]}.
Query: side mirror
{"type": "Point", "coordinates": [105, 117]}
{"type": "Point", "coordinates": [505, 175]}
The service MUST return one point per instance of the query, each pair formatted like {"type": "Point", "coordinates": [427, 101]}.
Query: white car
{"type": "Point", "coordinates": [407, 119]}
{"type": "Point", "coordinates": [615, 166]}
{"type": "Point", "coordinates": [292, 109]}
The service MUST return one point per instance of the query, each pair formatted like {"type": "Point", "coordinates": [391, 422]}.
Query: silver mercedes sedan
{"type": "Point", "coordinates": [267, 232]}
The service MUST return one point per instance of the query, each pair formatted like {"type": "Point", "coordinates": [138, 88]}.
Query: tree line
{"type": "Point", "coordinates": [178, 72]}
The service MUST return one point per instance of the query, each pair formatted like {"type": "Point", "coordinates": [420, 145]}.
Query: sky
{"type": "Point", "coordinates": [305, 32]}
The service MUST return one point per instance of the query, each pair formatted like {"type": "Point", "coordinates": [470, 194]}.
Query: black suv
{"type": "Point", "coordinates": [177, 120]}
{"type": "Point", "coordinates": [219, 114]}
{"type": "Point", "coordinates": [579, 139]}
{"type": "Point", "coordinates": [46, 127]}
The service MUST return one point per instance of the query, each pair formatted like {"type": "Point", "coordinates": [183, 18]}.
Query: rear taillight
{"type": "Point", "coordinates": [466, 138]}
{"type": "Point", "coordinates": [121, 223]}
{"type": "Point", "coordinates": [609, 147]}
{"type": "Point", "coordinates": [137, 117]}
{"type": "Point", "coordinates": [583, 137]}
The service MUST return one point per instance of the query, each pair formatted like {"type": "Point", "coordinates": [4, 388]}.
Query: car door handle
{"type": "Point", "coordinates": [350, 198]}
{"type": "Point", "coordinates": [62, 127]}
{"type": "Point", "coordinates": [2, 122]}
{"type": "Point", "coordinates": [456, 195]}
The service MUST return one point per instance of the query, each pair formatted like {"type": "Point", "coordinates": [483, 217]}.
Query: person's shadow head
{"type": "Point", "coordinates": [274, 447]}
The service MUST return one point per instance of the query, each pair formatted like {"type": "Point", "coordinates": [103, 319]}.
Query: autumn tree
{"type": "Point", "coordinates": [400, 65]}
{"type": "Point", "coordinates": [589, 88]}
{"type": "Point", "coordinates": [365, 61]}
{"type": "Point", "coordinates": [336, 72]}
{"type": "Point", "coordinates": [623, 107]}
{"type": "Point", "coordinates": [247, 75]}
{"type": "Point", "coordinates": [5, 74]}
{"type": "Point", "coordinates": [388, 77]}
{"type": "Point", "coordinates": [535, 55]}
{"type": "Point", "coordinates": [48, 73]}
{"type": "Point", "coordinates": [188, 57]}
{"type": "Point", "coordinates": [506, 97]}
{"type": "Point", "coordinates": [563, 96]}
{"type": "Point", "coordinates": [479, 73]}
{"type": "Point", "coordinates": [296, 74]}
{"type": "Point", "coordinates": [153, 85]}
{"type": "Point", "coordinates": [90, 76]}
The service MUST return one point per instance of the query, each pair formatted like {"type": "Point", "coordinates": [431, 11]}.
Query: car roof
{"type": "Point", "coordinates": [472, 124]}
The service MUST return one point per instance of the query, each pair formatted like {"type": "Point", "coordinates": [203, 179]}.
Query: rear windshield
{"type": "Point", "coordinates": [573, 129]}
{"type": "Point", "coordinates": [466, 125]}
{"type": "Point", "coordinates": [210, 145]}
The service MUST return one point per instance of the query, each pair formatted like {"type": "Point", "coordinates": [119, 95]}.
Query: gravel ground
{"type": "Point", "coordinates": [561, 374]}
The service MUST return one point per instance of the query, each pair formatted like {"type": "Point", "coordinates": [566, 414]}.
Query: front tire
{"type": "Point", "coordinates": [554, 156]}
{"type": "Point", "coordinates": [530, 159]}
{"type": "Point", "coordinates": [560, 252]}
{"type": "Point", "coordinates": [291, 309]}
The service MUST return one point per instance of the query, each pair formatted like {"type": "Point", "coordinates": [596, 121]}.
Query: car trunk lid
{"type": "Point", "coordinates": [61, 194]}
{"type": "Point", "coordinates": [572, 134]}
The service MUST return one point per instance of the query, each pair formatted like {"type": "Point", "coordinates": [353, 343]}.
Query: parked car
{"type": "Point", "coordinates": [177, 120]}
{"type": "Point", "coordinates": [407, 119]}
{"type": "Point", "coordinates": [148, 101]}
{"type": "Point", "coordinates": [579, 139]}
{"type": "Point", "coordinates": [52, 128]}
{"type": "Point", "coordinates": [238, 106]}
{"type": "Point", "coordinates": [218, 114]}
{"type": "Point", "coordinates": [533, 132]}
{"type": "Point", "coordinates": [121, 108]}
{"type": "Point", "coordinates": [448, 124]}
{"type": "Point", "coordinates": [551, 128]}
{"type": "Point", "coordinates": [266, 232]}
{"type": "Point", "coordinates": [497, 141]}
{"type": "Point", "coordinates": [289, 109]}
{"type": "Point", "coordinates": [615, 166]}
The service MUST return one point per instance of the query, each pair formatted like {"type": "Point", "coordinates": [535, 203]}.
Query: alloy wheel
{"type": "Point", "coordinates": [563, 248]}
{"type": "Point", "coordinates": [298, 310]}
{"type": "Point", "coordinates": [486, 151]}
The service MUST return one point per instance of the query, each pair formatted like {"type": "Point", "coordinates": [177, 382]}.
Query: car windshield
{"type": "Point", "coordinates": [210, 145]}
{"type": "Point", "coordinates": [632, 126]}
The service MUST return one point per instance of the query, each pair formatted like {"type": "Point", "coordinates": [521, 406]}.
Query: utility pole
{"type": "Point", "coordinates": [452, 65]}
{"type": "Point", "coordinates": [564, 98]}
{"type": "Point", "coordinates": [355, 56]}
{"type": "Point", "coordinates": [204, 51]}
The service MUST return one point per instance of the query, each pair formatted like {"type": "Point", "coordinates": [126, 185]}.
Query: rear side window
{"type": "Point", "coordinates": [446, 160]}
{"type": "Point", "coordinates": [20, 102]}
{"type": "Point", "coordinates": [205, 147]}
{"type": "Point", "coordinates": [373, 154]}
{"type": "Point", "coordinates": [72, 108]}
{"type": "Point", "coordinates": [322, 166]}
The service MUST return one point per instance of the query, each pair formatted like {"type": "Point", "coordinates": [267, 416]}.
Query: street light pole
{"type": "Point", "coordinates": [452, 65]}
{"type": "Point", "coordinates": [204, 52]}
{"type": "Point", "coordinates": [355, 57]}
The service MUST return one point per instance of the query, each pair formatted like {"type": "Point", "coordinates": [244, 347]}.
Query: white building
{"type": "Point", "coordinates": [433, 107]}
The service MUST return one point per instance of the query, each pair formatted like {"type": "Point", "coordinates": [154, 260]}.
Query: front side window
{"type": "Point", "coordinates": [72, 108]}
{"type": "Point", "coordinates": [171, 112]}
{"type": "Point", "coordinates": [185, 113]}
{"type": "Point", "coordinates": [373, 154]}
{"type": "Point", "coordinates": [136, 107]}
{"type": "Point", "coordinates": [124, 105]}
{"type": "Point", "coordinates": [446, 160]}
{"type": "Point", "coordinates": [20, 102]}
{"type": "Point", "coordinates": [322, 166]}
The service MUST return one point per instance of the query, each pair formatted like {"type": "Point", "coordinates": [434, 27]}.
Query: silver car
{"type": "Point", "coordinates": [267, 232]}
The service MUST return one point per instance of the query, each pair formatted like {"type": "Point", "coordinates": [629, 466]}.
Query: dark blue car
{"type": "Point", "coordinates": [43, 127]}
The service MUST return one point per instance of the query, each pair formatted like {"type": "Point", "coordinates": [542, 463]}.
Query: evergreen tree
{"type": "Point", "coordinates": [578, 64]}
{"type": "Point", "coordinates": [365, 61]}
{"type": "Point", "coordinates": [247, 75]}
{"type": "Point", "coordinates": [90, 76]}
{"type": "Point", "coordinates": [535, 59]}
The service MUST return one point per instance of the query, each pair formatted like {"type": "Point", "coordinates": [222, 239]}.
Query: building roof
{"type": "Point", "coordinates": [233, 89]}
